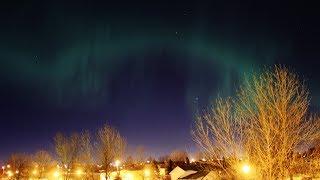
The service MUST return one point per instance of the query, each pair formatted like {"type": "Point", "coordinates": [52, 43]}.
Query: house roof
{"type": "Point", "coordinates": [196, 175]}
{"type": "Point", "coordinates": [197, 166]}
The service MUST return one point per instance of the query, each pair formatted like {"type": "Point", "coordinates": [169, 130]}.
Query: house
{"type": "Point", "coordinates": [178, 172]}
{"type": "Point", "coordinates": [197, 171]}
{"type": "Point", "coordinates": [201, 175]}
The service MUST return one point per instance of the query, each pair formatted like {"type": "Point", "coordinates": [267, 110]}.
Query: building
{"type": "Point", "coordinates": [178, 172]}
{"type": "Point", "coordinates": [202, 175]}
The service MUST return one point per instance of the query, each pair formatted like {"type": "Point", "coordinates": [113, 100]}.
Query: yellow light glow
{"type": "Point", "coordinates": [128, 176]}
{"type": "Point", "coordinates": [17, 171]}
{"type": "Point", "coordinates": [35, 172]}
{"type": "Point", "coordinates": [162, 171]}
{"type": "Point", "coordinates": [79, 172]}
{"type": "Point", "coordinates": [147, 173]}
{"type": "Point", "coordinates": [8, 166]}
{"type": "Point", "coordinates": [10, 174]}
{"type": "Point", "coordinates": [117, 163]}
{"type": "Point", "coordinates": [246, 168]}
{"type": "Point", "coordinates": [56, 174]}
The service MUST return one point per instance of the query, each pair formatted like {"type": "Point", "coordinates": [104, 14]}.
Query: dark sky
{"type": "Point", "coordinates": [144, 67]}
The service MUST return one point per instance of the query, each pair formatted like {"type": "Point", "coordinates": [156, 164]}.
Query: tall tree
{"type": "Point", "coordinates": [265, 124]}
{"type": "Point", "coordinates": [110, 146]}
{"type": "Point", "coordinates": [19, 166]}
{"type": "Point", "coordinates": [86, 155]}
{"type": "Point", "coordinates": [68, 150]}
{"type": "Point", "coordinates": [178, 155]}
{"type": "Point", "coordinates": [140, 154]}
{"type": "Point", "coordinates": [43, 161]}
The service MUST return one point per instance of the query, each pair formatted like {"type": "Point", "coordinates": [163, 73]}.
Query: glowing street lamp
{"type": "Point", "coordinates": [10, 174]}
{"type": "Point", "coordinates": [147, 172]}
{"type": "Point", "coordinates": [35, 172]}
{"type": "Point", "coordinates": [246, 168]}
{"type": "Point", "coordinates": [56, 174]}
{"type": "Point", "coordinates": [117, 164]}
{"type": "Point", "coordinates": [79, 172]}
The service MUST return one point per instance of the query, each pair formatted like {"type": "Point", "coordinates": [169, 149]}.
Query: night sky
{"type": "Point", "coordinates": [144, 67]}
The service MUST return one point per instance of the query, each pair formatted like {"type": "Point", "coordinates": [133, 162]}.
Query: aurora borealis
{"type": "Point", "coordinates": [144, 67]}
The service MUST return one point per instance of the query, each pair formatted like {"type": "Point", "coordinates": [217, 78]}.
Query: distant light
{"type": "Point", "coordinates": [203, 159]}
{"type": "Point", "coordinates": [17, 171]}
{"type": "Point", "coordinates": [3, 167]}
{"type": "Point", "coordinates": [8, 166]}
{"type": "Point", "coordinates": [56, 174]}
{"type": "Point", "coordinates": [128, 176]}
{"type": "Point", "coordinates": [10, 174]}
{"type": "Point", "coordinates": [34, 172]}
{"type": "Point", "coordinates": [148, 161]}
{"type": "Point", "coordinates": [147, 173]}
{"type": "Point", "coordinates": [246, 168]}
{"type": "Point", "coordinates": [102, 176]}
{"type": "Point", "coordinates": [79, 172]}
{"type": "Point", "coordinates": [192, 160]}
{"type": "Point", "coordinates": [162, 172]}
{"type": "Point", "coordinates": [117, 163]}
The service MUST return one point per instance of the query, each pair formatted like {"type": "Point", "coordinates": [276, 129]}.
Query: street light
{"type": "Point", "coordinates": [117, 164]}
{"type": "Point", "coordinates": [246, 169]}
{"type": "Point", "coordinates": [35, 172]}
{"type": "Point", "coordinates": [147, 172]}
{"type": "Point", "coordinates": [56, 174]}
{"type": "Point", "coordinates": [10, 174]}
{"type": "Point", "coordinates": [79, 172]}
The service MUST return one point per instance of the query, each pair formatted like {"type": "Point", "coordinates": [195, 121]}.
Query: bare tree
{"type": "Point", "coordinates": [164, 158]}
{"type": "Point", "coordinates": [219, 134]}
{"type": "Point", "coordinates": [140, 154]}
{"type": "Point", "coordinates": [110, 146]}
{"type": "Point", "coordinates": [86, 155]}
{"type": "Point", "coordinates": [20, 166]}
{"type": "Point", "coordinates": [178, 155]}
{"type": "Point", "coordinates": [265, 124]}
{"type": "Point", "coordinates": [68, 150]}
{"type": "Point", "coordinates": [43, 161]}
